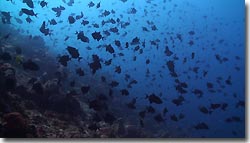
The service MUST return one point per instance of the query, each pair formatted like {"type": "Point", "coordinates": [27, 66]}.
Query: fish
{"type": "Point", "coordinates": [114, 83]}
{"type": "Point", "coordinates": [52, 22]}
{"type": "Point", "coordinates": [30, 65]}
{"type": "Point", "coordinates": [158, 118]}
{"type": "Point", "coordinates": [124, 92]}
{"type": "Point", "coordinates": [154, 99]}
{"type": "Point", "coordinates": [105, 13]}
{"type": "Point", "coordinates": [171, 68]}
{"type": "Point", "coordinates": [117, 43]}
{"type": "Point", "coordinates": [82, 37]}
{"type": "Point", "coordinates": [29, 3]}
{"type": "Point", "coordinates": [6, 17]}
{"type": "Point", "coordinates": [79, 16]}
{"type": "Point", "coordinates": [201, 126]}
{"type": "Point", "coordinates": [165, 110]}
{"type": "Point", "coordinates": [71, 20]}
{"type": "Point", "coordinates": [74, 53]}
{"type": "Point", "coordinates": [131, 104]}
{"type": "Point", "coordinates": [174, 117]}
{"type": "Point", "coordinates": [95, 65]}
{"type": "Point", "coordinates": [18, 20]}
{"type": "Point", "coordinates": [108, 62]}
{"type": "Point", "coordinates": [80, 72]}
{"type": "Point", "coordinates": [209, 85]}
{"type": "Point", "coordinates": [85, 89]}
{"type": "Point", "coordinates": [43, 3]}
{"type": "Point", "coordinates": [198, 92]}
{"type": "Point", "coordinates": [28, 19]}
{"type": "Point", "coordinates": [178, 101]}
{"type": "Point", "coordinates": [114, 30]}
{"type": "Point", "coordinates": [204, 110]}
{"type": "Point", "coordinates": [97, 105]}
{"type": "Point", "coordinates": [150, 109]}
{"type": "Point", "coordinates": [135, 41]}
{"type": "Point", "coordinates": [142, 114]}
{"type": "Point", "coordinates": [168, 52]}
{"type": "Point", "coordinates": [214, 106]}
{"type": "Point", "coordinates": [91, 4]}
{"type": "Point", "coordinates": [98, 5]}
{"type": "Point", "coordinates": [84, 22]}
{"type": "Point", "coordinates": [58, 10]}
{"type": "Point", "coordinates": [44, 30]}
{"type": "Point", "coordinates": [63, 60]}
{"type": "Point", "coordinates": [240, 103]}
{"type": "Point", "coordinates": [70, 3]}
{"type": "Point", "coordinates": [118, 69]}
{"type": "Point", "coordinates": [97, 36]}
{"type": "Point", "coordinates": [29, 12]}
{"type": "Point", "coordinates": [110, 49]}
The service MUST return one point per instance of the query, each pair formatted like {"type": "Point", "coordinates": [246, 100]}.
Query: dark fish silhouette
{"type": "Point", "coordinates": [214, 106]}
{"type": "Point", "coordinates": [58, 10]}
{"type": "Point", "coordinates": [95, 65]}
{"type": "Point", "coordinates": [171, 68]}
{"type": "Point", "coordinates": [28, 19]}
{"type": "Point", "coordinates": [43, 3]}
{"type": "Point", "coordinates": [174, 118]}
{"type": "Point", "coordinates": [70, 3]}
{"type": "Point", "coordinates": [158, 118]}
{"type": "Point", "coordinates": [73, 52]}
{"type": "Point", "coordinates": [52, 22]}
{"type": "Point", "coordinates": [131, 104]}
{"type": "Point", "coordinates": [114, 83]}
{"type": "Point", "coordinates": [150, 109]}
{"type": "Point", "coordinates": [118, 69]}
{"type": "Point", "coordinates": [110, 49]}
{"type": "Point", "coordinates": [6, 17]}
{"type": "Point", "coordinates": [30, 65]}
{"type": "Point", "coordinates": [18, 20]}
{"type": "Point", "coordinates": [105, 13]}
{"type": "Point", "coordinates": [240, 103]}
{"type": "Point", "coordinates": [91, 4]}
{"type": "Point", "coordinates": [98, 5]}
{"type": "Point", "coordinates": [124, 92]}
{"type": "Point", "coordinates": [97, 105]}
{"type": "Point", "coordinates": [233, 119]}
{"type": "Point", "coordinates": [79, 16]}
{"type": "Point", "coordinates": [71, 20]}
{"type": "Point", "coordinates": [168, 52]}
{"type": "Point", "coordinates": [80, 72]}
{"type": "Point", "coordinates": [154, 99]}
{"type": "Point", "coordinates": [117, 43]}
{"type": "Point", "coordinates": [28, 12]}
{"type": "Point", "coordinates": [44, 30]}
{"type": "Point", "coordinates": [63, 60]}
{"type": "Point", "coordinates": [198, 92]}
{"type": "Point", "coordinates": [108, 62]}
{"type": "Point", "coordinates": [204, 110]}
{"type": "Point", "coordinates": [85, 89]}
{"type": "Point", "coordinates": [84, 22]}
{"type": "Point", "coordinates": [135, 41]}
{"type": "Point", "coordinates": [178, 101]}
{"type": "Point", "coordinates": [82, 37]}
{"type": "Point", "coordinates": [29, 3]}
{"type": "Point", "coordinates": [142, 114]}
{"type": "Point", "coordinates": [97, 36]}
{"type": "Point", "coordinates": [201, 126]}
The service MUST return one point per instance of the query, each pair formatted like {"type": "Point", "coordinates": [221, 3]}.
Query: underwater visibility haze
{"type": "Point", "coordinates": [122, 68]}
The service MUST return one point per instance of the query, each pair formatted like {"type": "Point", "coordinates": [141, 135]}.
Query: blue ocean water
{"type": "Point", "coordinates": [193, 50]}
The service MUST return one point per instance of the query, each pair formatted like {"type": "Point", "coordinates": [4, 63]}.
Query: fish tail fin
{"type": "Point", "coordinates": [36, 14]}
{"type": "Point", "coordinates": [79, 59]}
